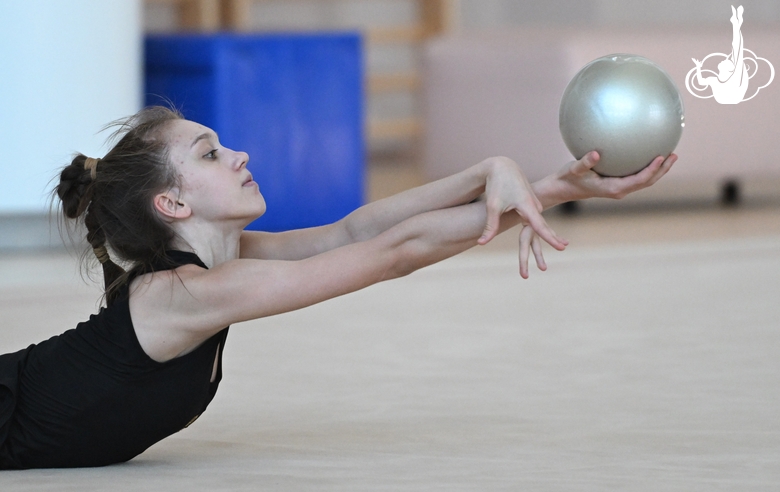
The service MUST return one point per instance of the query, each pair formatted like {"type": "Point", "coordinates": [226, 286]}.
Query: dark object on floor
{"type": "Point", "coordinates": [730, 193]}
{"type": "Point", "coordinates": [570, 208]}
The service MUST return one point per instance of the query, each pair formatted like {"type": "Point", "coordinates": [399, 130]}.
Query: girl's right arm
{"type": "Point", "coordinates": [246, 289]}
{"type": "Point", "coordinates": [189, 305]}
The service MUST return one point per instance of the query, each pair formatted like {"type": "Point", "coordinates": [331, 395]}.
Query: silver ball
{"type": "Point", "coordinates": [625, 107]}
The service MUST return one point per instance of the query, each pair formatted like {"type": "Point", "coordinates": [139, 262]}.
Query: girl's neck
{"type": "Point", "coordinates": [213, 246]}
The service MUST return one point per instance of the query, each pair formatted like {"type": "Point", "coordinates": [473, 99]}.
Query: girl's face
{"type": "Point", "coordinates": [216, 184]}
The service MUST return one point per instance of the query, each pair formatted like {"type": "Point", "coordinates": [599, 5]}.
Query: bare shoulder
{"type": "Point", "coordinates": [175, 311]}
{"type": "Point", "coordinates": [156, 302]}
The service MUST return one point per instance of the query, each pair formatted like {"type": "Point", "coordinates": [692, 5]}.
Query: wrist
{"type": "Point", "coordinates": [497, 165]}
{"type": "Point", "coordinates": [478, 176]}
{"type": "Point", "coordinates": [548, 193]}
{"type": "Point", "coordinates": [486, 169]}
{"type": "Point", "coordinates": [497, 170]}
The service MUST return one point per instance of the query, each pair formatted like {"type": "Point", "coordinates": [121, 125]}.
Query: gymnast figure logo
{"type": "Point", "coordinates": [730, 84]}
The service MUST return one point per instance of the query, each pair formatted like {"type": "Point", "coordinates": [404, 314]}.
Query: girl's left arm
{"type": "Point", "coordinates": [374, 218]}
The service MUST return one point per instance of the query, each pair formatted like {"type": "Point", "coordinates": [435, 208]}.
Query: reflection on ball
{"type": "Point", "coordinates": [625, 107]}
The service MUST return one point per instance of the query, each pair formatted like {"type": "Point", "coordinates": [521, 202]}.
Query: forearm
{"type": "Point", "coordinates": [379, 216]}
{"type": "Point", "coordinates": [434, 236]}
{"type": "Point", "coordinates": [548, 194]}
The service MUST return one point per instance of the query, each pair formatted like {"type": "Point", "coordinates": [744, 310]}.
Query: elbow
{"type": "Point", "coordinates": [409, 256]}
{"type": "Point", "coordinates": [355, 230]}
{"type": "Point", "coordinates": [402, 268]}
{"type": "Point", "coordinates": [349, 231]}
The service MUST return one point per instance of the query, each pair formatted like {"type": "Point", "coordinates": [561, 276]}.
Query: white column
{"type": "Point", "coordinates": [67, 67]}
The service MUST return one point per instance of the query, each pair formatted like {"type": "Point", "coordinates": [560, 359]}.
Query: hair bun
{"type": "Point", "coordinates": [75, 188]}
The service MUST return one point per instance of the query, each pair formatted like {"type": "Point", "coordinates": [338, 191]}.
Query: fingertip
{"type": "Point", "coordinates": [654, 166]}
{"type": "Point", "coordinates": [588, 160]}
{"type": "Point", "coordinates": [666, 162]}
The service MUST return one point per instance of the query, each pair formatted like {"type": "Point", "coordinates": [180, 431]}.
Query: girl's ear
{"type": "Point", "coordinates": [170, 207]}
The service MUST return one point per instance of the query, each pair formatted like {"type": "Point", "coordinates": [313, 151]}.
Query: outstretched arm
{"type": "Point", "coordinates": [506, 207]}
{"type": "Point", "coordinates": [499, 178]}
{"type": "Point", "coordinates": [496, 177]}
{"type": "Point", "coordinates": [191, 304]}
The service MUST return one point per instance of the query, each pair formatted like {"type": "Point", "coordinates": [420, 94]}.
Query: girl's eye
{"type": "Point", "coordinates": [211, 155]}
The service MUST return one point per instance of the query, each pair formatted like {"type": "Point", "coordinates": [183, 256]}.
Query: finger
{"type": "Point", "coordinates": [641, 179]}
{"type": "Point", "coordinates": [652, 173]}
{"type": "Point", "coordinates": [491, 226]}
{"type": "Point", "coordinates": [669, 162]}
{"type": "Point", "coordinates": [536, 246]}
{"type": "Point", "coordinates": [585, 164]}
{"type": "Point", "coordinates": [526, 235]}
{"type": "Point", "coordinates": [662, 169]}
{"type": "Point", "coordinates": [540, 226]}
{"type": "Point", "coordinates": [648, 172]}
{"type": "Point", "coordinates": [539, 206]}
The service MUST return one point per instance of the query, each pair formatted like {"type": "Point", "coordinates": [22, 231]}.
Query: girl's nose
{"type": "Point", "coordinates": [241, 159]}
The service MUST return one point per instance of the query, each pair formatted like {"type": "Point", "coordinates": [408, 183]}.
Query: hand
{"type": "Point", "coordinates": [507, 189]}
{"type": "Point", "coordinates": [697, 62]}
{"type": "Point", "coordinates": [578, 181]}
{"type": "Point", "coordinates": [529, 241]}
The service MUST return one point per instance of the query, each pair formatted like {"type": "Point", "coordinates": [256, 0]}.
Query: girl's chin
{"type": "Point", "coordinates": [258, 214]}
{"type": "Point", "coordinates": [248, 220]}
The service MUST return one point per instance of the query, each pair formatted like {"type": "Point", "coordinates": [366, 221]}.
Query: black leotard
{"type": "Point", "coordinates": [93, 397]}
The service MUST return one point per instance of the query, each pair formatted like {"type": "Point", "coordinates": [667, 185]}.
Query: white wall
{"type": "Point", "coordinates": [67, 67]}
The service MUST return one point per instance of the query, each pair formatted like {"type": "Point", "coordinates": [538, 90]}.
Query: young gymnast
{"type": "Point", "coordinates": [171, 203]}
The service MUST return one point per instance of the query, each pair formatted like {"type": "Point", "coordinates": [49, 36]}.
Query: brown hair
{"type": "Point", "coordinates": [113, 196]}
